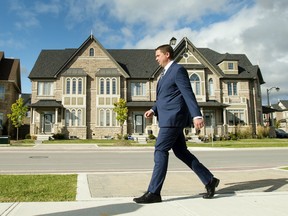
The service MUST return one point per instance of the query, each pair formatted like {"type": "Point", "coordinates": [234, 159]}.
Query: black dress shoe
{"type": "Point", "coordinates": [211, 188]}
{"type": "Point", "coordinates": [148, 198]}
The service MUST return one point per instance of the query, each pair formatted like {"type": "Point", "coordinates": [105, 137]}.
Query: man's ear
{"type": "Point", "coordinates": [168, 55]}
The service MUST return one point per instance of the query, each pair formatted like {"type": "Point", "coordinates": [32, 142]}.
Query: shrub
{"type": "Point", "coordinates": [27, 136]}
{"type": "Point", "coordinates": [244, 132]}
{"type": "Point", "coordinates": [151, 137]}
{"type": "Point", "coordinates": [125, 137]}
{"type": "Point", "coordinates": [262, 132]}
{"type": "Point", "coordinates": [59, 136]}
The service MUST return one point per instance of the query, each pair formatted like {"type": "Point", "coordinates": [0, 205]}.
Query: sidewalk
{"type": "Point", "coordinates": [243, 193]}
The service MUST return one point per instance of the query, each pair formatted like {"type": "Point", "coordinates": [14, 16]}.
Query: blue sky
{"type": "Point", "coordinates": [256, 28]}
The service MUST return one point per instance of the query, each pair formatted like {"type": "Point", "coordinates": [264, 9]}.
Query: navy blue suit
{"type": "Point", "coordinates": [175, 108]}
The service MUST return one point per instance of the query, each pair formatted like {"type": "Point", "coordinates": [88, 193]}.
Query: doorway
{"type": "Point", "coordinates": [139, 123]}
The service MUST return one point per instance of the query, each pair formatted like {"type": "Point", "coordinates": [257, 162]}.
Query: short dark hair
{"type": "Point", "coordinates": [166, 48]}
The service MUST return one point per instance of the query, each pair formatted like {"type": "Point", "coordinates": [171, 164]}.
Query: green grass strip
{"type": "Point", "coordinates": [37, 188]}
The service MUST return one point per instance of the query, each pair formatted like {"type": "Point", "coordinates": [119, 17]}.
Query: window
{"type": "Point", "coordinates": [236, 117]}
{"type": "Point", "coordinates": [195, 84]}
{"type": "Point", "coordinates": [232, 88]}
{"type": "Point", "coordinates": [107, 86]}
{"type": "Point", "coordinates": [114, 119]}
{"type": "Point", "coordinates": [210, 87]}
{"type": "Point", "coordinates": [107, 118]}
{"type": "Point", "coordinates": [74, 86]}
{"type": "Point", "coordinates": [138, 89]}
{"type": "Point", "coordinates": [91, 52]}
{"type": "Point", "coordinates": [68, 87]}
{"type": "Point", "coordinates": [67, 117]}
{"type": "Point", "coordinates": [79, 117]}
{"type": "Point", "coordinates": [209, 118]}
{"type": "Point", "coordinates": [102, 86]}
{"type": "Point", "coordinates": [80, 86]}
{"type": "Point", "coordinates": [74, 117]}
{"type": "Point", "coordinates": [230, 66]}
{"type": "Point", "coordinates": [2, 92]}
{"type": "Point", "coordinates": [45, 88]}
{"type": "Point", "coordinates": [101, 117]}
{"type": "Point", "coordinates": [114, 86]}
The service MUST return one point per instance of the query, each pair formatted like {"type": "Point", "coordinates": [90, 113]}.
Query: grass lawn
{"type": "Point", "coordinates": [37, 188]}
{"type": "Point", "coordinates": [243, 143]}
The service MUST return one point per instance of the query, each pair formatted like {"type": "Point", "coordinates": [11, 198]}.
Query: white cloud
{"type": "Point", "coordinates": [259, 31]}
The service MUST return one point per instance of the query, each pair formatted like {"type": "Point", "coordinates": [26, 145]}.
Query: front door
{"type": "Point", "coordinates": [139, 123]}
{"type": "Point", "coordinates": [47, 123]}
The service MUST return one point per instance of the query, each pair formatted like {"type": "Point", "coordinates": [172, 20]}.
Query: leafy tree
{"type": "Point", "coordinates": [122, 112]}
{"type": "Point", "coordinates": [18, 113]}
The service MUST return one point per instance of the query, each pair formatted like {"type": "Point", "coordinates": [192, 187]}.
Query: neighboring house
{"type": "Point", "coordinates": [281, 115]}
{"type": "Point", "coordinates": [10, 89]}
{"type": "Point", "coordinates": [73, 90]}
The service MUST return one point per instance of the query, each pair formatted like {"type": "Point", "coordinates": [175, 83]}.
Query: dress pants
{"type": "Point", "coordinates": [173, 138]}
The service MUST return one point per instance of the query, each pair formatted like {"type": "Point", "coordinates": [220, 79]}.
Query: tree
{"type": "Point", "coordinates": [18, 113]}
{"type": "Point", "coordinates": [122, 112]}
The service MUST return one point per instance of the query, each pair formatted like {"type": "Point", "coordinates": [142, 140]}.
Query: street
{"type": "Point", "coordinates": [90, 160]}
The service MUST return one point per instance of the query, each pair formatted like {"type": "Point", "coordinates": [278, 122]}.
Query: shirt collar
{"type": "Point", "coordinates": [168, 65]}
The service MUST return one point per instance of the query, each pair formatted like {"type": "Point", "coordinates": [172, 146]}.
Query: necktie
{"type": "Point", "coordinates": [162, 73]}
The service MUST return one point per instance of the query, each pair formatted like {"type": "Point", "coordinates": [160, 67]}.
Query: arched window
{"type": "Point", "coordinates": [80, 86]}
{"type": "Point", "coordinates": [74, 86]}
{"type": "Point", "coordinates": [68, 87]}
{"type": "Point", "coordinates": [114, 121]}
{"type": "Point", "coordinates": [108, 117]}
{"type": "Point", "coordinates": [102, 86]}
{"type": "Point", "coordinates": [195, 84]}
{"type": "Point", "coordinates": [101, 117]}
{"type": "Point", "coordinates": [107, 86]}
{"type": "Point", "coordinates": [114, 86]}
{"type": "Point", "coordinates": [210, 87]}
{"type": "Point", "coordinates": [91, 52]}
{"type": "Point", "coordinates": [79, 117]}
{"type": "Point", "coordinates": [67, 117]}
{"type": "Point", "coordinates": [73, 117]}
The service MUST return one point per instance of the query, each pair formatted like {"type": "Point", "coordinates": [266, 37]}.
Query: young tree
{"type": "Point", "coordinates": [18, 113]}
{"type": "Point", "coordinates": [122, 112]}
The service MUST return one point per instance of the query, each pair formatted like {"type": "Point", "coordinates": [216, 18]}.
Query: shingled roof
{"type": "Point", "coordinates": [49, 62]}
{"type": "Point", "coordinates": [10, 70]}
{"type": "Point", "coordinates": [140, 63]}
{"type": "Point", "coordinates": [246, 69]}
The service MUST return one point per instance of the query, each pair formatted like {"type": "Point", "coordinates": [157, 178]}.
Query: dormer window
{"type": "Point", "coordinates": [230, 66]}
{"type": "Point", "coordinates": [91, 52]}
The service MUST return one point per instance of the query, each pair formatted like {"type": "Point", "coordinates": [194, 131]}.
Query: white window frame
{"type": "Point", "coordinates": [138, 88]}
{"type": "Point", "coordinates": [45, 88]}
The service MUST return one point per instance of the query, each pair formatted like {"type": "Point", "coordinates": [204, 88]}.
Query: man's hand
{"type": "Point", "coordinates": [148, 114]}
{"type": "Point", "coordinates": [198, 123]}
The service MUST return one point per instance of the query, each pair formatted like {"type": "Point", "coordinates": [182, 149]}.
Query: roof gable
{"type": "Point", "coordinates": [10, 71]}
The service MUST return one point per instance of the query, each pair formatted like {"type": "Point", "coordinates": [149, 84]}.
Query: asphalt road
{"type": "Point", "coordinates": [90, 160]}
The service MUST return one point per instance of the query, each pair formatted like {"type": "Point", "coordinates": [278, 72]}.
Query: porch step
{"type": "Point", "coordinates": [43, 137]}
{"type": "Point", "coordinates": [141, 139]}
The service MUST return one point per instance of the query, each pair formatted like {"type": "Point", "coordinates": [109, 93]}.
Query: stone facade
{"type": "Point", "coordinates": [77, 97]}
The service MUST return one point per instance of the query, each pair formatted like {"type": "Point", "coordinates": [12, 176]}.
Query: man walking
{"type": "Point", "coordinates": [175, 108]}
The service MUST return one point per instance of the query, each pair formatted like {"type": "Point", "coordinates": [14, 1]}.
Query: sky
{"type": "Point", "coordinates": [257, 28]}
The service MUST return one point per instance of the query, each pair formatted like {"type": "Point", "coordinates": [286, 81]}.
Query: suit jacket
{"type": "Point", "coordinates": [176, 104]}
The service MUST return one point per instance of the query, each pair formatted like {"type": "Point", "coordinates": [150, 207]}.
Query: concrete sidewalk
{"type": "Point", "coordinates": [248, 204]}
{"type": "Point", "coordinates": [252, 192]}
{"type": "Point", "coordinates": [240, 193]}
